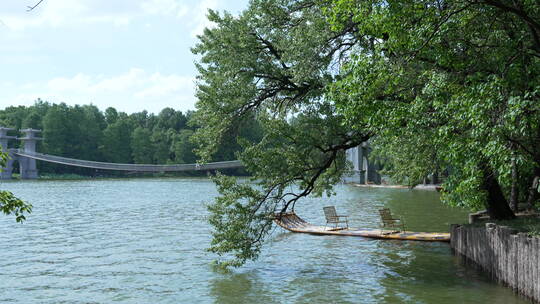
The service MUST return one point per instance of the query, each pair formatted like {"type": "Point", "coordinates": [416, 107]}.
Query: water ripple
{"type": "Point", "coordinates": [144, 240]}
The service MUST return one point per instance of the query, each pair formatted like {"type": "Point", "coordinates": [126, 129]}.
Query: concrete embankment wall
{"type": "Point", "coordinates": [511, 258]}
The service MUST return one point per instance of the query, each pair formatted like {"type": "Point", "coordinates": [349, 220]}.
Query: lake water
{"type": "Point", "coordinates": [144, 240]}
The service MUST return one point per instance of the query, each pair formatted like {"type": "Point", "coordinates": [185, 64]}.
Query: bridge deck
{"type": "Point", "coordinates": [294, 223]}
{"type": "Point", "coordinates": [129, 167]}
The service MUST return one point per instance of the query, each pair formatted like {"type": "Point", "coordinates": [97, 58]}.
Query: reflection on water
{"type": "Point", "coordinates": [427, 269]}
{"type": "Point", "coordinates": [240, 288]}
{"type": "Point", "coordinates": [144, 240]}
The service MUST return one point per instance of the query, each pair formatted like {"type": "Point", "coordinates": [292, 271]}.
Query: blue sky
{"type": "Point", "coordinates": [133, 55]}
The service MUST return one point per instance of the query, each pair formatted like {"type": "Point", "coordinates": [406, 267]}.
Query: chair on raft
{"type": "Point", "coordinates": [388, 221]}
{"type": "Point", "coordinates": [333, 218]}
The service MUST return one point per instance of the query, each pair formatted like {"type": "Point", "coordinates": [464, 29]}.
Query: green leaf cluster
{"type": "Point", "coordinates": [9, 203]}
{"type": "Point", "coordinates": [456, 84]}
{"type": "Point", "coordinates": [436, 86]}
{"type": "Point", "coordinates": [273, 63]}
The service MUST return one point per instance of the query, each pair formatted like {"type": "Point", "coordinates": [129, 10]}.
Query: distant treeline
{"type": "Point", "coordinates": [86, 132]}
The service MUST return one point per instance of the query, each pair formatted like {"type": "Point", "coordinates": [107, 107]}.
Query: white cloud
{"type": "Point", "coordinates": [65, 13]}
{"type": "Point", "coordinates": [165, 7]}
{"type": "Point", "coordinates": [133, 91]}
{"type": "Point", "coordinates": [133, 78]}
{"type": "Point", "coordinates": [58, 13]}
{"type": "Point", "coordinates": [78, 83]}
{"type": "Point", "coordinates": [80, 39]}
{"type": "Point", "coordinates": [166, 85]}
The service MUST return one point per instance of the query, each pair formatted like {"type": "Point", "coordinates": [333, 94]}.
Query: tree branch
{"type": "Point", "coordinates": [31, 8]}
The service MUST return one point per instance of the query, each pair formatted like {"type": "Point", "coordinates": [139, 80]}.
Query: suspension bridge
{"type": "Point", "coordinates": [27, 157]}
{"type": "Point", "coordinates": [362, 172]}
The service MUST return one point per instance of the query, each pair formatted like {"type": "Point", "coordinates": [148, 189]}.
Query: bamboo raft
{"type": "Point", "coordinates": [294, 223]}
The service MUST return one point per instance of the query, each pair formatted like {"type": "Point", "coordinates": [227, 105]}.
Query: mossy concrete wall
{"type": "Point", "coordinates": [511, 258]}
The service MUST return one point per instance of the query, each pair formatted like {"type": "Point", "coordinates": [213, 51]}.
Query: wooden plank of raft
{"type": "Point", "coordinates": [294, 223]}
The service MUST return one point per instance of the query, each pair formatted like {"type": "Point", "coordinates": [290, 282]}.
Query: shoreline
{"type": "Point", "coordinates": [417, 187]}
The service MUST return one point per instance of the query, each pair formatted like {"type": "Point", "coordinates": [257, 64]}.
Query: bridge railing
{"type": "Point", "coordinates": [129, 167]}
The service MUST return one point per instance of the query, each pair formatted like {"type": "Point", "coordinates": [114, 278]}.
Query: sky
{"type": "Point", "coordinates": [133, 55]}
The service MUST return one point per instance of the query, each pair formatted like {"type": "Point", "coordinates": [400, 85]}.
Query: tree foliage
{"type": "Point", "coordinates": [141, 145]}
{"type": "Point", "coordinates": [458, 83]}
{"type": "Point", "coordinates": [273, 62]}
{"type": "Point", "coordinates": [9, 203]}
{"type": "Point", "coordinates": [86, 132]}
{"type": "Point", "coordinates": [434, 85]}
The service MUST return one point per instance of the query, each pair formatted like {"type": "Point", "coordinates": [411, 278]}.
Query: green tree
{"type": "Point", "coordinates": [248, 128]}
{"type": "Point", "coordinates": [183, 148]}
{"type": "Point", "coordinates": [32, 121]}
{"type": "Point", "coordinates": [168, 118]}
{"type": "Point", "coordinates": [90, 133]}
{"type": "Point", "coordinates": [85, 132]}
{"type": "Point", "coordinates": [273, 63]}
{"type": "Point", "coordinates": [435, 85]}
{"type": "Point", "coordinates": [161, 146]}
{"type": "Point", "coordinates": [455, 85]}
{"type": "Point", "coordinates": [116, 145]}
{"type": "Point", "coordinates": [35, 114]}
{"type": "Point", "coordinates": [140, 119]}
{"type": "Point", "coordinates": [141, 146]}
{"type": "Point", "coordinates": [56, 131]}
{"type": "Point", "coordinates": [111, 115]}
{"type": "Point", "coordinates": [13, 116]}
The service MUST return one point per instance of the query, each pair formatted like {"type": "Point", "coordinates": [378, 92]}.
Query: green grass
{"type": "Point", "coordinates": [529, 225]}
{"type": "Point", "coordinates": [48, 176]}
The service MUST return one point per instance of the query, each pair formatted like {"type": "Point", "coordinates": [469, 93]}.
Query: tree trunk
{"type": "Point", "coordinates": [533, 192]}
{"type": "Point", "coordinates": [435, 179]}
{"type": "Point", "coordinates": [514, 187]}
{"type": "Point", "coordinates": [496, 204]}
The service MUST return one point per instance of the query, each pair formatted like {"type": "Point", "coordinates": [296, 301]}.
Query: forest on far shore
{"type": "Point", "coordinates": [89, 133]}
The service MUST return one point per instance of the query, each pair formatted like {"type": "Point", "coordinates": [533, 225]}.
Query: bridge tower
{"type": "Point", "coordinates": [4, 138]}
{"type": "Point", "coordinates": [27, 165]}
{"type": "Point", "coordinates": [362, 172]}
